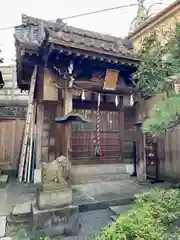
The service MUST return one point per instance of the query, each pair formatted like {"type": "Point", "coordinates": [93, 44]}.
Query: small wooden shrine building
{"type": "Point", "coordinates": [78, 71]}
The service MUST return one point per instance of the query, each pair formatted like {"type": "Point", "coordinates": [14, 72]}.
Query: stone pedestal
{"type": "Point", "coordinates": [56, 222]}
{"type": "Point", "coordinates": [49, 199]}
{"type": "Point", "coordinates": [53, 214]}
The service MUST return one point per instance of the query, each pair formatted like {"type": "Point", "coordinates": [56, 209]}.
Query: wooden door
{"type": "Point", "coordinates": [84, 138]}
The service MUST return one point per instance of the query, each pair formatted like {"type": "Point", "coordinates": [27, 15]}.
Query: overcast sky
{"type": "Point", "coordinates": [114, 22]}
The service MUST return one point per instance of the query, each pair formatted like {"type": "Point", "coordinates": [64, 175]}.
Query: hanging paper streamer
{"type": "Point", "coordinates": [99, 100]}
{"type": "Point", "coordinates": [83, 95]}
{"type": "Point", "coordinates": [131, 100]}
{"type": "Point", "coordinates": [70, 68]}
{"type": "Point", "coordinates": [116, 101]}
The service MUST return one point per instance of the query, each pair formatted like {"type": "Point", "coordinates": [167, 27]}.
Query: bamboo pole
{"type": "Point", "coordinates": [31, 144]}
{"type": "Point", "coordinates": [27, 125]}
{"type": "Point", "coordinates": [26, 163]}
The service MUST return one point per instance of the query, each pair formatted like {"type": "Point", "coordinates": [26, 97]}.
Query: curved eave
{"type": "Point", "coordinates": [96, 52]}
{"type": "Point", "coordinates": [26, 45]}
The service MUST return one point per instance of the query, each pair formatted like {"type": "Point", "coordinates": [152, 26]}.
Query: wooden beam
{"type": "Point", "coordinates": [78, 104]}
{"type": "Point", "coordinates": [121, 130]}
{"type": "Point", "coordinates": [96, 87]}
{"type": "Point", "coordinates": [86, 50]}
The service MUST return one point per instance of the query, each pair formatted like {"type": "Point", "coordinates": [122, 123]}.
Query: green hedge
{"type": "Point", "coordinates": [154, 216]}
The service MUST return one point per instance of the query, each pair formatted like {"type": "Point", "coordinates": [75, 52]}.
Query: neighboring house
{"type": "Point", "coordinates": [11, 94]}
{"type": "Point", "coordinates": [13, 106]}
{"type": "Point", "coordinates": [57, 49]}
{"type": "Point", "coordinates": [162, 22]}
{"type": "Point", "coordinates": [168, 149]}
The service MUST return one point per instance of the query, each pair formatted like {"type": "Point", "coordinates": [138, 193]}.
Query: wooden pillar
{"type": "Point", "coordinates": [67, 109]}
{"type": "Point", "coordinates": [39, 133]}
{"type": "Point", "coordinates": [121, 113]}
{"type": "Point", "coordinates": [59, 127]}
{"type": "Point", "coordinates": [67, 99]}
{"type": "Point", "coordinates": [141, 166]}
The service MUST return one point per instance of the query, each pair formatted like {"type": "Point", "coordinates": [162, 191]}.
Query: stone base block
{"type": "Point", "coordinates": [56, 222]}
{"type": "Point", "coordinates": [3, 180]}
{"type": "Point", "coordinates": [54, 199]}
{"type": "Point", "coordinates": [37, 176]}
{"type": "Point", "coordinates": [21, 213]}
{"type": "Point", "coordinates": [2, 226]}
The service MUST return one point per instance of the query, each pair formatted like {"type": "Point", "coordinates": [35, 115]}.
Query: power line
{"type": "Point", "coordinates": [84, 14]}
{"type": "Point", "coordinates": [87, 13]}
{"type": "Point", "coordinates": [100, 11]}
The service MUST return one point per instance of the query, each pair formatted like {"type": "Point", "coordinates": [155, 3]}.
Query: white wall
{"type": "Point", "coordinates": [10, 91]}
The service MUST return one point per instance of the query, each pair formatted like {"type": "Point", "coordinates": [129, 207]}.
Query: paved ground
{"type": "Point", "coordinates": [93, 221]}
{"type": "Point", "coordinates": [105, 191]}
{"type": "Point", "coordinates": [13, 194]}
{"type": "Point", "coordinates": [16, 193]}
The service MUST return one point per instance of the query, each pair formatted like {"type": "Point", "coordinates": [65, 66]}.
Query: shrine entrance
{"type": "Point", "coordinates": [84, 138]}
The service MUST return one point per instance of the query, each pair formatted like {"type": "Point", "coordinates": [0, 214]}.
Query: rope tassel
{"type": "Point", "coordinates": [98, 120]}
{"type": "Point", "coordinates": [98, 150]}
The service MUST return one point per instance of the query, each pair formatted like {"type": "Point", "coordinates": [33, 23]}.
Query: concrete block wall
{"type": "Point", "coordinates": [10, 91]}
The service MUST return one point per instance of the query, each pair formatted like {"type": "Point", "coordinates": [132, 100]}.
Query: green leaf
{"type": "Point", "coordinates": [157, 64]}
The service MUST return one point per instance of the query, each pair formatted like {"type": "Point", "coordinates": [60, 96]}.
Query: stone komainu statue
{"type": "Point", "coordinates": [56, 172]}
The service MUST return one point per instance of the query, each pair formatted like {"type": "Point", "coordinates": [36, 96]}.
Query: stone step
{"type": "Point", "coordinates": [92, 173]}
{"type": "Point", "coordinates": [3, 180]}
{"type": "Point", "coordinates": [97, 169]}
{"type": "Point", "coordinates": [114, 218]}
{"type": "Point", "coordinates": [21, 213]}
{"type": "Point", "coordinates": [2, 226]}
{"type": "Point", "coordinates": [93, 178]}
{"type": "Point", "coordinates": [118, 210]}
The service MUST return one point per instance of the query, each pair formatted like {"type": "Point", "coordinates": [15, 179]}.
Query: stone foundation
{"type": "Point", "coordinates": [54, 198]}
{"type": "Point", "coordinates": [56, 222]}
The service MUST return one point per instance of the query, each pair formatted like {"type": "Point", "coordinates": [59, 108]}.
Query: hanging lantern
{"type": "Point", "coordinates": [71, 67]}
{"type": "Point", "coordinates": [83, 95]}
{"type": "Point", "coordinates": [116, 101]}
{"type": "Point", "coordinates": [131, 100]}
{"type": "Point", "coordinates": [99, 99]}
